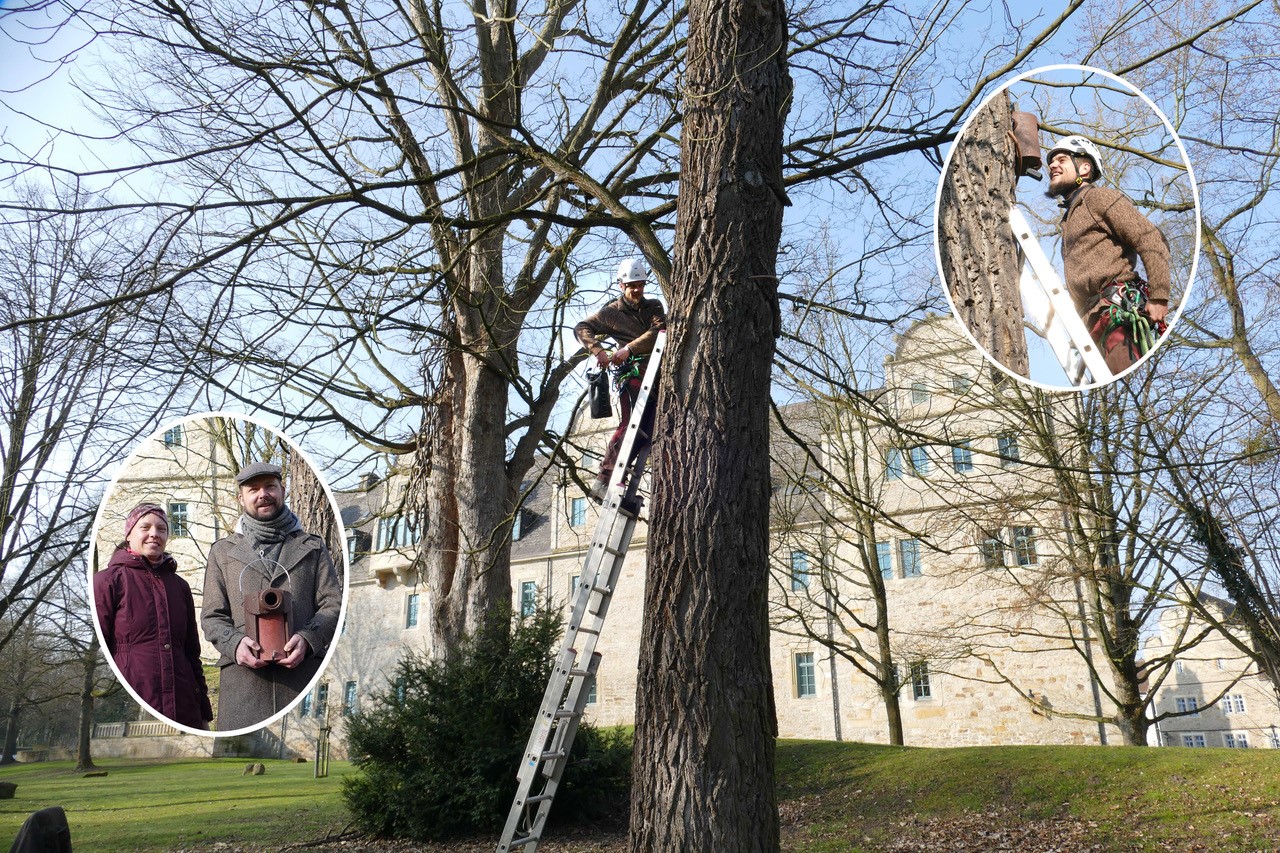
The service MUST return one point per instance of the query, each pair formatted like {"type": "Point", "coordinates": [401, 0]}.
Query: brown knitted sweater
{"type": "Point", "coordinates": [1103, 235]}
{"type": "Point", "coordinates": [634, 326]}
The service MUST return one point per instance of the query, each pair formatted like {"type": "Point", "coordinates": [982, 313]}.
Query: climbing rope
{"type": "Point", "coordinates": [1125, 302]}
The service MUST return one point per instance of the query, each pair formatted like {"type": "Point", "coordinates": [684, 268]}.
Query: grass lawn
{"type": "Point", "coordinates": [858, 796]}
{"type": "Point", "coordinates": [152, 806]}
{"type": "Point", "coordinates": [833, 797]}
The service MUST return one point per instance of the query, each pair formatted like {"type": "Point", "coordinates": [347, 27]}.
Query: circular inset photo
{"type": "Point", "coordinates": [216, 594]}
{"type": "Point", "coordinates": [1067, 227]}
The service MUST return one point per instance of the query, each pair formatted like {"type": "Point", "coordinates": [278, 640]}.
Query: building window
{"type": "Point", "coordinates": [400, 691]}
{"type": "Point", "coordinates": [1195, 741]}
{"type": "Point", "coordinates": [909, 557]}
{"type": "Point", "coordinates": [962, 457]}
{"type": "Point", "coordinates": [893, 464]}
{"type": "Point", "coordinates": [399, 531]}
{"type": "Point", "coordinates": [173, 436]}
{"type": "Point", "coordinates": [411, 612]}
{"type": "Point", "coordinates": [1188, 705]}
{"type": "Point", "coordinates": [573, 588]}
{"type": "Point", "coordinates": [592, 696]}
{"type": "Point", "coordinates": [920, 688]}
{"type": "Point", "coordinates": [351, 547]}
{"type": "Point", "coordinates": [884, 559]}
{"type": "Point", "coordinates": [1007, 448]}
{"type": "Point", "coordinates": [1177, 667]}
{"type": "Point", "coordinates": [920, 460]}
{"type": "Point", "coordinates": [1024, 546]}
{"type": "Point", "coordinates": [179, 524]}
{"type": "Point", "coordinates": [349, 699]}
{"type": "Point", "coordinates": [305, 708]}
{"type": "Point", "coordinates": [919, 393]}
{"type": "Point", "coordinates": [528, 598]}
{"type": "Point", "coordinates": [1234, 740]}
{"type": "Point", "coordinates": [799, 571]}
{"type": "Point", "coordinates": [1233, 704]}
{"type": "Point", "coordinates": [578, 512]}
{"type": "Point", "coordinates": [960, 383]}
{"type": "Point", "coordinates": [517, 525]}
{"type": "Point", "coordinates": [322, 700]}
{"type": "Point", "coordinates": [806, 677]}
{"type": "Point", "coordinates": [992, 550]}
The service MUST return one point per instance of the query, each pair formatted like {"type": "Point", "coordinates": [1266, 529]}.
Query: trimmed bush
{"type": "Point", "coordinates": [439, 751]}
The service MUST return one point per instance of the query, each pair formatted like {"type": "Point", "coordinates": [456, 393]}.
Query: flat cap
{"type": "Point", "coordinates": [257, 469]}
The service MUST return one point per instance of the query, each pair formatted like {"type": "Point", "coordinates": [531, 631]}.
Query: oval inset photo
{"type": "Point", "coordinates": [1067, 227]}
{"type": "Point", "coordinates": [215, 588]}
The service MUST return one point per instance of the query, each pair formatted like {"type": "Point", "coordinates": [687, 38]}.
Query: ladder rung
{"type": "Point", "coordinates": [520, 842]}
{"type": "Point", "coordinates": [595, 631]}
{"type": "Point", "coordinates": [554, 755]}
{"type": "Point", "coordinates": [540, 798]}
{"type": "Point", "coordinates": [579, 672]}
{"type": "Point", "coordinates": [562, 714]}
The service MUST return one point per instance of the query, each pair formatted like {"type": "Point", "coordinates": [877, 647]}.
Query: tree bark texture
{"type": "Point", "coordinates": [705, 720]}
{"type": "Point", "coordinates": [975, 244]}
{"type": "Point", "coordinates": [309, 502]}
{"type": "Point", "coordinates": [92, 657]}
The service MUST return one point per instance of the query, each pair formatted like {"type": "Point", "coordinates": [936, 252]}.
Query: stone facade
{"type": "Point", "coordinates": [1215, 694]}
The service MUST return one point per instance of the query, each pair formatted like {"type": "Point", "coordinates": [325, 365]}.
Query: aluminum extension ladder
{"type": "Point", "coordinates": [1050, 306]}
{"type": "Point", "coordinates": [575, 669]}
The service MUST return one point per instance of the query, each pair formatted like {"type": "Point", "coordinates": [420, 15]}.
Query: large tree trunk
{"type": "Point", "coordinates": [705, 721]}
{"type": "Point", "coordinates": [84, 757]}
{"type": "Point", "coordinates": [975, 243]}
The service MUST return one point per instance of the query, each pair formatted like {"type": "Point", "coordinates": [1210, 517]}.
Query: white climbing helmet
{"type": "Point", "coordinates": [1078, 146]}
{"type": "Point", "coordinates": [632, 269]}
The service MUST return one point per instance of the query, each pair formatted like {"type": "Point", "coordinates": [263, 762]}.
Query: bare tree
{"type": "Point", "coordinates": [74, 391]}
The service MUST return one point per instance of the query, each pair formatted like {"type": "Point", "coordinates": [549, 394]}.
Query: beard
{"type": "Point", "coordinates": [265, 511]}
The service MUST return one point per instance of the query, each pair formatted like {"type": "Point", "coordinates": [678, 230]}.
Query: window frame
{"type": "Point", "coordinates": [528, 602]}
{"type": "Point", "coordinates": [921, 688]}
{"type": "Point", "coordinates": [913, 567]}
{"type": "Point", "coordinates": [805, 669]}
{"type": "Point", "coordinates": [800, 574]}
{"type": "Point", "coordinates": [179, 519]}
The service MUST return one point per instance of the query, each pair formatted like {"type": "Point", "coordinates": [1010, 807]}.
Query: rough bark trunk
{"type": "Point", "coordinates": [11, 732]}
{"type": "Point", "coordinates": [705, 721]}
{"type": "Point", "coordinates": [84, 755]}
{"type": "Point", "coordinates": [309, 502]}
{"type": "Point", "coordinates": [470, 497]}
{"type": "Point", "coordinates": [975, 244]}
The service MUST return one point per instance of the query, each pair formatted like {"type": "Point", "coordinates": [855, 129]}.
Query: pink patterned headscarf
{"type": "Point", "coordinates": [136, 514]}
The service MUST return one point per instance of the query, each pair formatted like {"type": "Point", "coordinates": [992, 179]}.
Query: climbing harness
{"type": "Point", "coordinates": [1124, 308]}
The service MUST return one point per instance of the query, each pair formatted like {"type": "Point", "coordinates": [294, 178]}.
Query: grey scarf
{"type": "Point", "coordinates": [267, 537]}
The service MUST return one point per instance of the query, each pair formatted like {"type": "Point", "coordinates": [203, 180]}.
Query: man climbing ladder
{"type": "Point", "coordinates": [1103, 235]}
{"type": "Point", "coordinates": [634, 322]}
{"type": "Point", "coordinates": [576, 664]}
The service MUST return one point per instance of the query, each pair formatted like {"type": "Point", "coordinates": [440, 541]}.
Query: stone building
{"type": "Point", "coordinates": [1215, 694]}
{"type": "Point", "coordinates": [961, 525]}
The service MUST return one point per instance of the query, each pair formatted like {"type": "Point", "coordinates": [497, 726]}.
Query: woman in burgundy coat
{"type": "Point", "coordinates": [148, 621]}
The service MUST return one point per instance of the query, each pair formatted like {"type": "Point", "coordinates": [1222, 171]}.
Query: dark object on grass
{"type": "Point", "coordinates": [438, 752]}
{"type": "Point", "coordinates": [45, 831]}
{"type": "Point", "coordinates": [254, 770]}
{"type": "Point", "coordinates": [94, 774]}
{"type": "Point", "coordinates": [7, 790]}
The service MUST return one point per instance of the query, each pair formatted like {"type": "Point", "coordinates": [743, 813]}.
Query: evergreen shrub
{"type": "Point", "coordinates": [438, 752]}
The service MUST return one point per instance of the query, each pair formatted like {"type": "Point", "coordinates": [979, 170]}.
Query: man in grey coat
{"type": "Point", "coordinates": [270, 550]}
